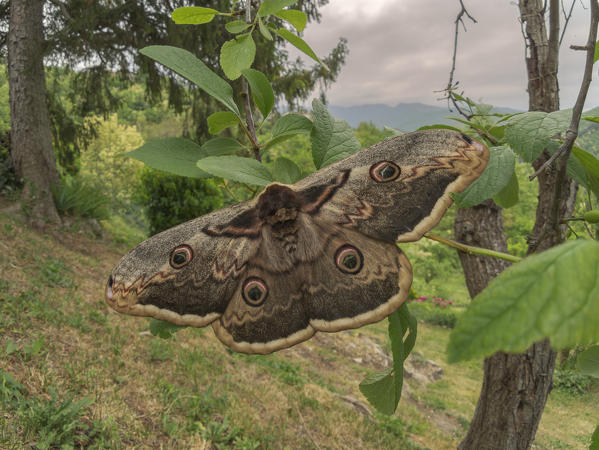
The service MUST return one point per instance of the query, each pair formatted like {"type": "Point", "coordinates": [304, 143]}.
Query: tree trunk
{"type": "Point", "coordinates": [31, 139]}
{"type": "Point", "coordinates": [515, 387]}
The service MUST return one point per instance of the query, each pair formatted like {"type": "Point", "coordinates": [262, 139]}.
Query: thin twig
{"type": "Point", "coordinates": [583, 48]}
{"type": "Point", "coordinates": [561, 38]}
{"type": "Point", "coordinates": [572, 132]}
{"type": "Point", "coordinates": [450, 84]}
{"type": "Point", "coordinates": [245, 93]}
{"type": "Point", "coordinates": [473, 250]}
{"type": "Point", "coordinates": [572, 230]}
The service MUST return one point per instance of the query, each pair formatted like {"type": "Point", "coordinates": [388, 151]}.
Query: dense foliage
{"type": "Point", "coordinates": [172, 199]}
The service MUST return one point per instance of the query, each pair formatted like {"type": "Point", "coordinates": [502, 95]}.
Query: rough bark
{"type": "Point", "coordinates": [515, 387]}
{"type": "Point", "coordinates": [31, 139]}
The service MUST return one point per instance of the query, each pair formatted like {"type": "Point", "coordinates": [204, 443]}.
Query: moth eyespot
{"type": "Point", "coordinates": [384, 171]}
{"type": "Point", "coordinates": [349, 259]}
{"type": "Point", "coordinates": [181, 256]}
{"type": "Point", "coordinates": [254, 291]}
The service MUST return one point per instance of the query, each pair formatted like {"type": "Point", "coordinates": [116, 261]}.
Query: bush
{"type": "Point", "coordinates": [75, 196]}
{"type": "Point", "coordinates": [171, 199]}
{"type": "Point", "coordinates": [434, 311]}
{"type": "Point", "coordinates": [570, 382]}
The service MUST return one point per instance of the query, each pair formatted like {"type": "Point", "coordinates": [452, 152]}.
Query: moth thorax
{"type": "Point", "coordinates": [281, 215]}
{"type": "Point", "coordinates": [278, 203]}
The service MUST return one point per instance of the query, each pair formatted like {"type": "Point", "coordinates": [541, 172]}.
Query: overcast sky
{"type": "Point", "coordinates": [400, 52]}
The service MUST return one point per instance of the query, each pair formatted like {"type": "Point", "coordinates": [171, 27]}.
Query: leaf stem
{"type": "Point", "coordinates": [473, 250]}
{"type": "Point", "coordinates": [225, 185]}
{"type": "Point", "coordinates": [250, 130]}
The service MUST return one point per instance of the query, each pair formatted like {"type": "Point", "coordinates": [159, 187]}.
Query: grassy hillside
{"type": "Point", "coordinates": [72, 372]}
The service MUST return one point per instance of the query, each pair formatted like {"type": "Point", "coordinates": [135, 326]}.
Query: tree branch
{"type": "Point", "coordinates": [450, 84]}
{"type": "Point", "coordinates": [572, 132]}
{"type": "Point", "coordinates": [567, 17]}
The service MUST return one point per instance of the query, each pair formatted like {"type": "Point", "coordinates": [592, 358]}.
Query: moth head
{"type": "Point", "coordinates": [145, 275]}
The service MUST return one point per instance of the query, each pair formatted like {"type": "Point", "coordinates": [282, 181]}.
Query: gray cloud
{"type": "Point", "coordinates": [400, 51]}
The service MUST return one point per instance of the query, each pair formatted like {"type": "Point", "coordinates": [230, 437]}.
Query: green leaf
{"type": "Point", "coordinates": [498, 132]}
{"type": "Point", "coordinates": [587, 362]}
{"type": "Point", "coordinates": [221, 146]}
{"type": "Point", "coordinates": [483, 109]}
{"type": "Point", "coordinates": [595, 437]}
{"type": "Point", "coordinates": [591, 166]}
{"type": "Point", "coordinates": [237, 26]}
{"type": "Point", "coordinates": [262, 92]}
{"type": "Point", "coordinates": [162, 329]}
{"type": "Point", "coordinates": [379, 390]}
{"type": "Point", "coordinates": [193, 15]}
{"type": "Point", "coordinates": [383, 390]}
{"type": "Point", "coordinates": [286, 171]}
{"type": "Point", "coordinates": [221, 120]}
{"type": "Point", "coordinates": [332, 139]}
{"type": "Point", "coordinates": [439, 126]}
{"type": "Point", "coordinates": [577, 172]}
{"type": "Point", "coordinates": [468, 123]}
{"type": "Point", "coordinates": [296, 18]}
{"type": "Point", "coordinates": [236, 55]}
{"type": "Point", "coordinates": [531, 132]}
{"type": "Point", "coordinates": [292, 124]}
{"type": "Point", "coordinates": [510, 194]}
{"type": "Point", "coordinates": [596, 57]}
{"type": "Point", "coordinates": [235, 168]}
{"type": "Point", "coordinates": [288, 126]}
{"type": "Point", "coordinates": [466, 100]}
{"type": "Point", "coordinates": [591, 119]}
{"type": "Point", "coordinates": [411, 323]}
{"type": "Point", "coordinates": [496, 176]}
{"type": "Point", "coordinates": [264, 30]}
{"type": "Point", "coordinates": [272, 6]}
{"type": "Point", "coordinates": [300, 44]}
{"type": "Point", "coordinates": [174, 155]}
{"type": "Point", "coordinates": [188, 66]}
{"type": "Point", "coordinates": [532, 300]}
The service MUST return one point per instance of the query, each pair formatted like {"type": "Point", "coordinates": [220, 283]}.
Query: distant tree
{"type": "Point", "coordinates": [369, 134]}
{"type": "Point", "coordinates": [100, 40]}
{"type": "Point", "coordinates": [100, 164]}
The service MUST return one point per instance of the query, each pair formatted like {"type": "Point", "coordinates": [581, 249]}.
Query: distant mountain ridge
{"type": "Point", "coordinates": [403, 117]}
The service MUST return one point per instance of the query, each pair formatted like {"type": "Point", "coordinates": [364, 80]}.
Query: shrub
{"type": "Point", "coordinates": [434, 310]}
{"type": "Point", "coordinates": [76, 196]}
{"type": "Point", "coordinates": [171, 199]}
{"type": "Point", "coordinates": [571, 382]}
